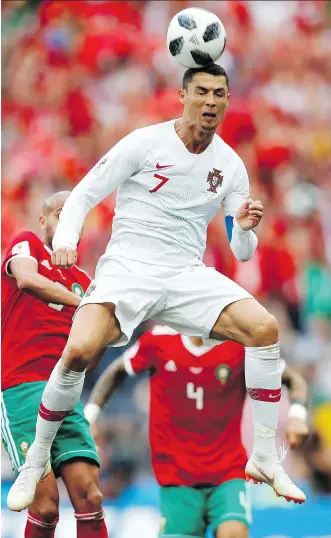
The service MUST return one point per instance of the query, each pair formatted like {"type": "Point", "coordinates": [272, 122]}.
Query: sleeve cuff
{"type": "Point", "coordinates": [238, 228]}
{"type": "Point", "coordinates": [128, 366]}
{"type": "Point", "coordinates": [15, 257]}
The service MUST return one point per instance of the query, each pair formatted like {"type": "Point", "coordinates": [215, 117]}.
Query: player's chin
{"type": "Point", "coordinates": [209, 126]}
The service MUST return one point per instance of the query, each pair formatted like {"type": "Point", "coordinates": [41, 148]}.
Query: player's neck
{"type": "Point", "coordinates": [195, 139]}
{"type": "Point", "coordinates": [196, 341]}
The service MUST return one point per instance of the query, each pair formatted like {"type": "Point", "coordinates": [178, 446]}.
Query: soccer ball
{"type": "Point", "coordinates": [196, 37]}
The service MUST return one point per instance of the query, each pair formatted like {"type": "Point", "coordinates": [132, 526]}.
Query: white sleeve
{"type": "Point", "coordinates": [243, 243]}
{"type": "Point", "coordinates": [106, 176]}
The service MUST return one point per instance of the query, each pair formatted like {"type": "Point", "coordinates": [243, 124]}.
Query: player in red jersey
{"type": "Point", "coordinates": [38, 302]}
{"type": "Point", "coordinates": [196, 403]}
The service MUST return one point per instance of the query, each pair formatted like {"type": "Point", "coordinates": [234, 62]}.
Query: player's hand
{"type": "Point", "coordinates": [296, 432]}
{"type": "Point", "coordinates": [64, 257]}
{"type": "Point", "coordinates": [249, 214]}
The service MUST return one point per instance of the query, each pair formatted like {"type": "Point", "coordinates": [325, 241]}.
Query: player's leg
{"type": "Point", "coordinates": [94, 326]}
{"type": "Point", "coordinates": [76, 460]}
{"type": "Point", "coordinates": [17, 432]}
{"type": "Point", "coordinates": [202, 302]}
{"type": "Point", "coordinates": [43, 513]}
{"type": "Point", "coordinates": [228, 509]}
{"type": "Point", "coordinates": [182, 512]}
{"type": "Point", "coordinates": [250, 324]}
{"type": "Point", "coordinates": [81, 478]}
{"type": "Point", "coordinates": [119, 300]}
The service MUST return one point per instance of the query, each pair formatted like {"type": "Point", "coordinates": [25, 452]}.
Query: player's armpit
{"type": "Point", "coordinates": [25, 272]}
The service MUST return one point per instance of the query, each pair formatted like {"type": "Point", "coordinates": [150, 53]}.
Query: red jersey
{"type": "Point", "coordinates": [197, 396]}
{"type": "Point", "coordinates": [34, 333]}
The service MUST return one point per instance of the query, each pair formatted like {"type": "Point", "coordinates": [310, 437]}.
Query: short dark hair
{"type": "Point", "coordinates": [211, 69]}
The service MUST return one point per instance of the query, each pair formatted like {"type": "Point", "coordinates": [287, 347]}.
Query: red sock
{"type": "Point", "coordinates": [36, 527]}
{"type": "Point", "coordinates": [91, 525]}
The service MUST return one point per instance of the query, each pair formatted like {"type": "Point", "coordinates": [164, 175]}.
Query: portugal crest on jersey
{"type": "Point", "coordinates": [223, 372]}
{"type": "Point", "coordinates": [215, 180]}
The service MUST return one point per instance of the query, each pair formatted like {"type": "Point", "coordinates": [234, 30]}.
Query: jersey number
{"type": "Point", "coordinates": [163, 182]}
{"type": "Point", "coordinates": [196, 395]}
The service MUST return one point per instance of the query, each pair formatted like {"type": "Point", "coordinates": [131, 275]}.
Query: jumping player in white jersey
{"type": "Point", "coordinates": [172, 178]}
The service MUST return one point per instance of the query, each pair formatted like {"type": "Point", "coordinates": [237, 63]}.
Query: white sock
{"type": "Point", "coordinates": [263, 382]}
{"type": "Point", "coordinates": [60, 396]}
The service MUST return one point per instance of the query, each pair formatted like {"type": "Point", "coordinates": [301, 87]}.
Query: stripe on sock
{"type": "Point", "coordinates": [88, 517]}
{"type": "Point", "coordinates": [265, 395]}
{"type": "Point", "coordinates": [36, 520]}
{"type": "Point", "coordinates": [52, 416]}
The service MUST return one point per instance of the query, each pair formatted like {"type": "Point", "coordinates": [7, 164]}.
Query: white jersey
{"type": "Point", "coordinates": [166, 196]}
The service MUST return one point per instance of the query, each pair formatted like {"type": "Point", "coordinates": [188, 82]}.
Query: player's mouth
{"type": "Point", "coordinates": [211, 115]}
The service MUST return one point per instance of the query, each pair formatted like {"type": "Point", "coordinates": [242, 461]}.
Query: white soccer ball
{"type": "Point", "coordinates": [196, 37]}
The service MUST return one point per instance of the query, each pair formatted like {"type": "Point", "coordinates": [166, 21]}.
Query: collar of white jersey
{"type": "Point", "coordinates": [197, 351]}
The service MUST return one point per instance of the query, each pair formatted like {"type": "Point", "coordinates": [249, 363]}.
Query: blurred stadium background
{"type": "Point", "coordinates": [79, 75]}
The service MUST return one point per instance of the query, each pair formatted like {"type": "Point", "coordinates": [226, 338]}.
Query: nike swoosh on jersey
{"type": "Point", "coordinates": [158, 165]}
{"type": "Point", "coordinates": [274, 396]}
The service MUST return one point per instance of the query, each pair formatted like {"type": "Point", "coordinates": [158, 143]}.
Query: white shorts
{"type": "Point", "coordinates": [188, 300]}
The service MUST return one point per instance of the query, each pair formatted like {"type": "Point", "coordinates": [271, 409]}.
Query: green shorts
{"type": "Point", "coordinates": [19, 411]}
{"type": "Point", "coordinates": [187, 512]}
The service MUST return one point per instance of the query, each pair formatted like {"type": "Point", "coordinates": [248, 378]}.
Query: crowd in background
{"type": "Point", "coordinates": [79, 75]}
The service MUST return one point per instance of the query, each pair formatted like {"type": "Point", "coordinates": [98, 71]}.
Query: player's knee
{"type": "Point", "coordinates": [94, 499]}
{"type": "Point", "coordinates": [264, 332]}
{"type": "Point", "coordinates": [48, 510]}
{"type": "Point", "coordinates": [232, 529]}
{"type": "Point", "coordinates": [88, 498]}
{"type": "Point", "coordinates": [80, 353]}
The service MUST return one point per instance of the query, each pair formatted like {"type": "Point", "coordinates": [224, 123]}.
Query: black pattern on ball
{"type": "Point", "coordinates": [176, 46]}
{"type": "Point", "coordinates": [212, 32]}
{"type": "Point", "coordinates": [201, 58]}
{"type": "Point", "coordinates": [186, 22]}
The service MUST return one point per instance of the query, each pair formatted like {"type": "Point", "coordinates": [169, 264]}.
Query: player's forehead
{"type": "Point", "coordinates": [55, 202]}
{"type": "Point", "coordinates": [210, 82]}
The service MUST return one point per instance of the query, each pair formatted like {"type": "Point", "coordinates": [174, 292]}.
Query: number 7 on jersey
{"type": "Point", "coordinates": [163, 182]}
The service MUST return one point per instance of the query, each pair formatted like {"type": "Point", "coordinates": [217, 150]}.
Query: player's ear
{"type": "Point", "coordinates": [42, 221]}
{"type": "Point", "coordinates": [227, 102]}
{"type": "Point", "coordinates": [181, 95]}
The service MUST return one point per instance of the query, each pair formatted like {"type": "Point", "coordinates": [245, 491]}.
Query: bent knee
{"type": "Point", "coordinates": [47, 510]}
{"type": "Point", "coordinates": [232, 529]}
{"type": "Point", "coordinates": [79, 354]}
{"type": "Point", "coordinates": [88, 500]}
{"type": "Point", "coordinates": [264, 332]}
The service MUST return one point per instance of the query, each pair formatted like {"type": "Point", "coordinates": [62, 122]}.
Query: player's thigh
{"type": "Point", "coordinates": [247, 322]}
{"type": "Point", "coordinates": [81, 478]}
{"type": "Point", "coordinates": [195, 299]}
{"type": "Point", "coordinates": [74, 440]}
{"type": "Point", "coordinates": [94, 327]}
{"type": "Point", "coordinates": [182, 512]}
{"type": "Point", "coordinates": [130, 294]}
{"type": "Point", "coordinates": [46, 500]}
{"type": "Point", "coordinates": [229, 502]}
{"type": "Point", "coordinates": [19, 411]}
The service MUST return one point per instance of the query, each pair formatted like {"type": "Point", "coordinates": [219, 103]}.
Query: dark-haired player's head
{"type": "Point", "coordinates": [49, 219]}
{"type": "Point", "coordinates": [205, 95]}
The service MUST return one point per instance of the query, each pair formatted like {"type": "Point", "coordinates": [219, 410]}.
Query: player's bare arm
{"type": "Point", "coordinates": [25, 272]}
{"type": "Point", "coordinates": [111, 379]}
{"type": "Point", "coordinates": [297, 429]}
